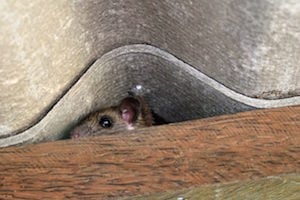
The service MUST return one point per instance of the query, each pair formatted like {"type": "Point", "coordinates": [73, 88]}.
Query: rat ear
{"type": "Point", "coordinates": [130, 109]}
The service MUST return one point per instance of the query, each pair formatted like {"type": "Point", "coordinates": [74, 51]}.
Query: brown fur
{"type": "Point", "coordinates": [90, 125]}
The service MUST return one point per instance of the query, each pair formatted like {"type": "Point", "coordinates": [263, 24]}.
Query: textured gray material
{"type": "Point", "coordinates": [203, 58]}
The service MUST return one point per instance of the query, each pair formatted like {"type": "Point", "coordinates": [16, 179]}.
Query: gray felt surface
{"type": "Point", "coordinates": [192, 59]}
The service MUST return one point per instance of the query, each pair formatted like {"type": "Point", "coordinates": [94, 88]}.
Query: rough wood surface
{"type": "Point", "coordinates": [285, 187]}
{"type": "Point", "coordinates": [244, 146]}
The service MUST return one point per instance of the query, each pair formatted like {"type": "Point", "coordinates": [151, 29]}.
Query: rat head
{"type": "Point", "coordinates": [124, 117]}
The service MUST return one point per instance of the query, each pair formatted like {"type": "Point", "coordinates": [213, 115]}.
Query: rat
{"type": "Point", "coordinates": [131, 113]}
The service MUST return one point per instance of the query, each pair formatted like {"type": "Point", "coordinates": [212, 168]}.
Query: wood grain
{"type": "Point", "coordinates": [239, 147]}
{"type": "Point", "coordinates": [284, 187]}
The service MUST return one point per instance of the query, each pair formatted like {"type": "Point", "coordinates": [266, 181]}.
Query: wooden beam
{"type": "Point", "coordinates": [270, 188]}
{"type": "Point", "coordinates": [239, 147]}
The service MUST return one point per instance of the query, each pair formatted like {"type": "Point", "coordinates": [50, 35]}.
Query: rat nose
{"type": "Point", "coordinates": [74, 135]}
{"type": "Point", "coordinates": [78, 132]}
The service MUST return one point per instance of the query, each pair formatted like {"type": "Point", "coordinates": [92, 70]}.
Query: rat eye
{"type": "Point", "coordinates": [106, 122]}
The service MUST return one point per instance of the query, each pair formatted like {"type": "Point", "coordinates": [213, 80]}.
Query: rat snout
{"type": "Point", "coordinates": [78, 132]}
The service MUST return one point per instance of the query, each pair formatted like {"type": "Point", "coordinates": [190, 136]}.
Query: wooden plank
{"type": "Point", "coordinates": [285, 187]}
{"type": "Point", "coordinates": [244, 146]}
